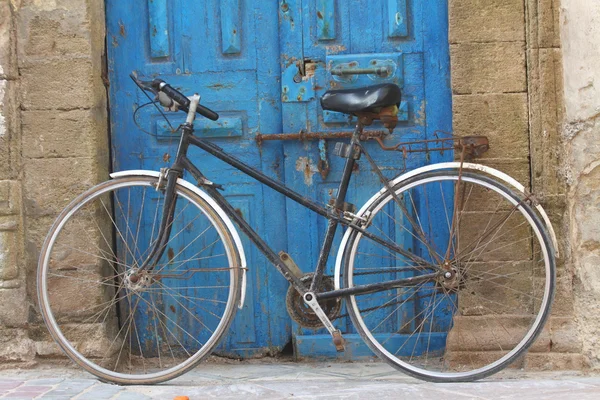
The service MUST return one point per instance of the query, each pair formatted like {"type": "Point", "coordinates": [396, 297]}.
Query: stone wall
{"type": "Point", "coordinates": [53, 143]}
{"type": "Point", "coordinates": [507, 84]}
{"type": "Point", "coordinates": [581, 138]}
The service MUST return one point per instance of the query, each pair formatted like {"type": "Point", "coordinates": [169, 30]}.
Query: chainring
{"type": "Point", "coordinates": [302, 313]}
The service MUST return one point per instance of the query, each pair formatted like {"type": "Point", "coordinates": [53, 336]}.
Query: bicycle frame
{"type": "Point", "coordinates": [334, 214]}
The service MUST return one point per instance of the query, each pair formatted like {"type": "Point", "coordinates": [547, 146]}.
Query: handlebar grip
{"type": "Point", "coordinates": [167, 89]}
{"type": "Point", "coordinates": [180, 98]}
{"type": "Point", "coordinates": [207, 112]}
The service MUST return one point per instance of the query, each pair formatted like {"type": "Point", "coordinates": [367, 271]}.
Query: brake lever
{"type": "Point", "coordinates": [144, 85]}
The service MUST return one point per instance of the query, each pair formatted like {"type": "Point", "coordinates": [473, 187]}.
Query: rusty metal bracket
{"type": "Point", "coordinates": [470, 146]}
{"type": "Point", "coordinates": [302, 135]}
{"type": "Point", "coordinates": [344, 150]}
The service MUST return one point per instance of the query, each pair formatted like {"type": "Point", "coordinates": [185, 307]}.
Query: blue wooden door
{"type": "Point", "coordinates": [318, 37]}
{"type": "Point", "coordinates": [263, 65]}
{"type": "Point", "coordinates": [228, 52]}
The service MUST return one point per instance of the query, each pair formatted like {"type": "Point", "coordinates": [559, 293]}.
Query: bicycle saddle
{"type": "Point", "coordinates": [364, 99]}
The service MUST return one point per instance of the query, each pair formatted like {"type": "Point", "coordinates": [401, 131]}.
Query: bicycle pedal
{"type": "Point", "coordinates": [338, 341]}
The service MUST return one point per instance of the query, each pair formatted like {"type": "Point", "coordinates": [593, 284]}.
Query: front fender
{"type": "Point", "coordinates": [501, 176]}
{"type": "Point", "coordinates": [213, 204]}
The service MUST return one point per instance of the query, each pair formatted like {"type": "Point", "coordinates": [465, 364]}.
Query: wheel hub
{"type": "Point", "coordinates": [137, 281]}
{"type": "Point", "coordinates": [452, 279]}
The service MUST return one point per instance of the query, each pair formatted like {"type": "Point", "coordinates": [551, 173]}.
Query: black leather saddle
{"type": "Point", "coordinates": [365, 99]}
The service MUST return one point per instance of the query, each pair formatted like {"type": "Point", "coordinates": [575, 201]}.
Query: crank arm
{"type": "Point", "coordinates": [338, 340]}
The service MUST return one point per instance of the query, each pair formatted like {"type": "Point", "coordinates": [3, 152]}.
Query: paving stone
{"type": "Point", "coordinates": [308, 380]}
{"type": "Point", "coordinates": [101, 391]}
{"type": "Point", "coordinates": [131, 396]}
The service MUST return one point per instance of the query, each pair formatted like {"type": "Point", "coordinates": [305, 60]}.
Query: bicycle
{"type": "Point", "coordinates": [464, 294]}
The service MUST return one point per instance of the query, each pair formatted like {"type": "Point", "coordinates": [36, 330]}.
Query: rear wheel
{"type": "Point", "coordinates": [127, 326]}
{"type": "Point", "coordinates": [496, 281]}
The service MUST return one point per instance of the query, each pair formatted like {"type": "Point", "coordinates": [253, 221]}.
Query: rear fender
{"type": "Point", "coordinates": [501, 176]}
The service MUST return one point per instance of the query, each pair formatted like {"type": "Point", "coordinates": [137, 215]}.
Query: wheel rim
{"type": "Point", "coordinates": [170, 318]}
{"type": "Point", "coordinates": [414, 310]}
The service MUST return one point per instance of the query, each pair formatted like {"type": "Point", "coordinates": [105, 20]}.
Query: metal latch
{"type": "Point", "coordinates": [345, 150]}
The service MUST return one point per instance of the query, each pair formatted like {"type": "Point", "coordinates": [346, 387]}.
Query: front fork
{"type": "Point", "coordinates": [168, 212]}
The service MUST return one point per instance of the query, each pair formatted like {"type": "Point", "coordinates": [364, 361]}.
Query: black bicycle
{"type": "Point", "coordinates": [447, 272]}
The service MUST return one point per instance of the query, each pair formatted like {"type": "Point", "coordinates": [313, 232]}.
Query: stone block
{"type": "Point", "coordinates": [53, 31]}
{"type": "Point", "coordinates": [565, 335]}
{"type": "Point", "coordinates": [498, 288]}
{"type": "Point", "coordinates": [486, 21]}
{"type": "Point", "coordinates": [8, 59]}
{"type": "Point", "coordinates": [92, 339]}
{"type": "Point", "coordinates": [15, 345]}
{"type": "Point", "coordinates": [66, 83]}
{"type": "Point", "coordinates": [13, 312]}
{"type": "Point", "coordinates": [479, 198]}
{"type": "Point", "coordinates": [9, 126]}
{"type": "Point", "coordinates": [50, 184]}
{"type": "Point", "coordinates": [497, 67]}
{"type": "Point", "coordinates": [9, 251]}
{"type": "Point", "coordinates": [516, 168]}
{"type": "Point", "coordinates": [500, 117]}
{"type": "Point", "coordinates": [543, 23]}
{"type": "Point", "coordinates": [563, 299]}
{"type": "Point", "coordinates": [62, 134]}
{"type": "Point", "coordinates": [505, 239]}
{"type": "Point", "coordinates": [554, 361]}
{"type": "Point", "coordinates": [477, 359]}
{"type": "Point", "coordinates": [79, 294]}
{"type": "Point", "coordinates": [546, 116]}
{"type": "Point", "coordinates": [487, 333]}
{"type": "Point", "coordinates": [10, 197]}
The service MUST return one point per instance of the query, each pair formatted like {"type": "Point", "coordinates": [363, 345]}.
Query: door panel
{"type": "Point", "coordinates": [213, 48]}
{"type": "Point", "coordinates": [396, 36]}
{"type": "Point", "coordinates": [263, 66]}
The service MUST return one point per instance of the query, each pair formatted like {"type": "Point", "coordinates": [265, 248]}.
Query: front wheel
{"type": "Point", "coordinates": [496, 276]}
{"type": "Point", "coordinates": [127, 326]}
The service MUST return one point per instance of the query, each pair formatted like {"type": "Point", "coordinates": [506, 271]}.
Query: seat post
{"type": "Point", "coordinates": [349, 166]}
{"type": "Point", "coordinates": [339, 203]}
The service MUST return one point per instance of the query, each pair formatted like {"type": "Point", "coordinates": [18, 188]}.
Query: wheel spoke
{"type": "Point", "coordinates": [491, 296]}
{"type": "Point", "coordinates": [130, 326]}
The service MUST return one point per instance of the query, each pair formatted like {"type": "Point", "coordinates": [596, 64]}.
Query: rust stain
{"type": "Point", "coordinates": [234, 31]}
{"type": "Point", "coordinates": [121, 29]}
{"type": "Point", "coordinates": [336, 48]}
{"type": "Point", "coordinates": [319, 15]}
{"type": "Point", "coordinates": [170, 254]}
{"type": "Point", "coordinates": [219, 86]}
{"type": "Point", "coordinates": [172, 308]}
{"type": "Point", "coordinates": [114, 41]}
{"type": "Point", "coordinates": [308, 169]}
{"type": "Point", "coordinates": [166, 157]}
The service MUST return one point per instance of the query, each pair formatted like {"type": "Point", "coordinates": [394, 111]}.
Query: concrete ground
{"type": "Point", "coordinates": [277, 379]}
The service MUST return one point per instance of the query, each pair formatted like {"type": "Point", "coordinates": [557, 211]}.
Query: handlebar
{"type": "Point", "coordinates": [158, 85]}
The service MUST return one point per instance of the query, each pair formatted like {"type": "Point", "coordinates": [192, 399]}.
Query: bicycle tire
{"type": "Point", "coordinates": [492, 309]}
{"type": "Point", "coordinates": [96, 241]}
